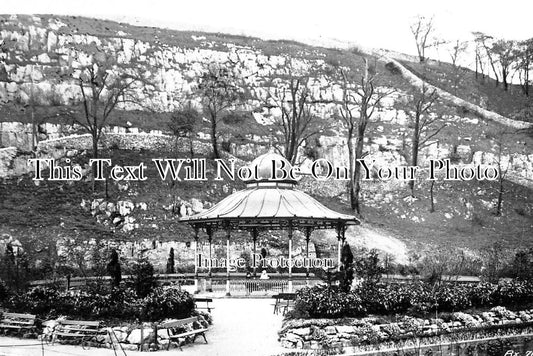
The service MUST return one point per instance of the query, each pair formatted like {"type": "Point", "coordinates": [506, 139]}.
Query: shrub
{"type": "Point", "coordinates": [393, 68]}
{"type": "Point", "coordinates": [167, 302]}
{"type": "Point", "coordinates": [368, 267]}
{"type": "Point", "coordinates": [522, 266]}
{"type": "Point", "coordinates": [4, 292]}
{"type": "Point", "coordinates": [142, 279]}
{"type": "Point", "coordinates": [328, 302]}
{"type": "Point", "coordinates": [39, 300]}
{"type": "Point", "coordinates": [113, 268]}
{"type": "Point", "coordinates": [452, 297]}
{"type": "Point", "coordinates": [121, 303]}
{"type": "Point", "coordinates": [411, 298]}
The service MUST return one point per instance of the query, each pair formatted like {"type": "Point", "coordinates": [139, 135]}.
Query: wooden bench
{"type": "Point", "coordinates": [187, 335]}
{"type": "Point", "coordinates": [81, 329]}
{"type": "Point", "coordinates": [284, 302]}
{"type": "Point", "coordinates": [16, 321]}
{"type": "Point", "coordinates": [204, 300]}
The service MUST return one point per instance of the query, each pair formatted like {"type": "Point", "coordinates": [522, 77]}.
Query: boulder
{"type": "Point", "coordinates": [125, 207]}
{"type": "Point", "coordinates": [330, 330]}
{"type": "Point", "coordinates": [292, 337]}
{"type": "Point", "coordinates": [162, 334]}
{"type": "Point", "coordinates": [287, 344]}
{"type": "Point", "coordinates": [120, 334]}
{"type": "Point", "coordinates": [135, 336]}
{"type": "Point", "coordinates": [301, 331]}
{"type": "Point", "coordinates": [345, 329]}
{"type": "Point", "coordinates": [129, 347]}
{"type": "Point", "coordinates": [196, 205]}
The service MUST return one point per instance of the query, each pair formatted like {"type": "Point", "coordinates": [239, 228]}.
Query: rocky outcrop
{"type": "Point", "coordinates": [39, 52]}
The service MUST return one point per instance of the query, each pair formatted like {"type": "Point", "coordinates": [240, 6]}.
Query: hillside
{"type": "Point", "coordinates": [37, 48]}
{"type": "Point", "coordinates": [482, 91]}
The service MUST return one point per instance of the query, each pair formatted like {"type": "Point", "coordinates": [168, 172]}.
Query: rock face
{"type": "Point", "coordinates": [41, 47]}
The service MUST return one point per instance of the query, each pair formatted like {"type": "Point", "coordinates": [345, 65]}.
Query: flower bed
{"type": "Point", "coordinates": [119, 303]}
{"type": "Point", "coordinates": [414, 298]}
{"type": "Point", "coordinates": [371, 334]}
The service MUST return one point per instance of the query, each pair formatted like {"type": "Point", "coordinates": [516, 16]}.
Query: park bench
{"type": "Point", "coordinates": [174, 330]}
{"type": "Point", "coordinates": [16, 321]}
{"type": "Point", "coordinates": [204, 300]}
{"type": "Point", "coordinates": [77, 329]}
{"type": "Point", "coordinates": [284, 302]}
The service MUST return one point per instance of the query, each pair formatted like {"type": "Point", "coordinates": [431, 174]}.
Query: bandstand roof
{"type": "Point", "coordinates": [269, 204]}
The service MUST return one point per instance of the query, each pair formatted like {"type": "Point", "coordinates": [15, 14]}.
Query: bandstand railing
{"type": "Point", "coordinates": [253, 286]}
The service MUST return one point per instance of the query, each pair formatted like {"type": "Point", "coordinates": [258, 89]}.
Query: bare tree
{"type": "Point", "coordinates": [486, 43]}
{"type": "Point", "coordinates": [220, 90]}
{"type": "Point", "coordinates": [524, 60]}
{"type": "Point", "coordinates": [455, 51]}
{"type": "Point", "coordinates": [423, 30]}
{"type": "Point", "coordinates": [505, 51]}
{"type": "Point", "coordinates": [356, 110]}
{"type": "Point", "coordinates": [103, 86]}
{"type": "Point", "coordinates": [184, 123]}
{"type": "Point", "coordinates": [425, 125]}
{"type": "Point", "coordinates": [499, 138]}
{"type": "Point", "coordinates": [292, 95]}
{"type": "Point", "coordinates": [480, 55]}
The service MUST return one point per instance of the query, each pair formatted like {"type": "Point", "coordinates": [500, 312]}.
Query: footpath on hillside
{"type": "Point", "coordinates": [241, 327]}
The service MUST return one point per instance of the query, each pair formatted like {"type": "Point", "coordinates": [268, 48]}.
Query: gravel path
{"type": "Point", "coordinates": [240, 327]}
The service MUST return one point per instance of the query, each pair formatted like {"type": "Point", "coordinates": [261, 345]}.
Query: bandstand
{"type": "Point", "coordinates": [267, 204]}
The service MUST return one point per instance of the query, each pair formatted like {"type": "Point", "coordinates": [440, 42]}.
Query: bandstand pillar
{"type": "Point", "coordinates": [340, 240]}
{"type": "Point", "coordinates": [290, 257]}
{"type": "Point", "coordinates": [209, 274]}
{"type": "Point", "coordinates": [307, 238]}
{"type": "Point", "coordinates": [228, 234]}
{"type": "Point", "coordinates": [196, 284]}
{"type": "Point", "coordinates": [254, 237]}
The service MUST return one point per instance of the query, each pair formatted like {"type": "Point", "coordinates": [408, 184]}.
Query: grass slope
{"type": "Point", "coordinates": [462, 83]}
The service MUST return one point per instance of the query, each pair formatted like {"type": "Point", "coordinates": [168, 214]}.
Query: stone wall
{"type": "Point", "coordinates": [370, 333]}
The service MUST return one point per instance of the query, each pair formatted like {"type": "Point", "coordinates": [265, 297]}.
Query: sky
{"type": "Point", "coordinates": [376, 24]}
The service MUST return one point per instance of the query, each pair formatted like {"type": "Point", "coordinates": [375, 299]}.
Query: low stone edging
{"type": "Point", "coordinates": [366, 334]}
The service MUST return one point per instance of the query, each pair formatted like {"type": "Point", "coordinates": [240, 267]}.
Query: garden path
{"type": "Point", "coordinates": [241, 327]}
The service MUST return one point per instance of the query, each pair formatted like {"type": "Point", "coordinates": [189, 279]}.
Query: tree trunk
{"type": "Point", "coordinates": [476, 65]}
{"type": "Point", "coordinates": [504, 80]}
{"type": "Point", "coordinates": [357, 170]}
{"type": "Point", "coordinates": [500, 199]}
{"type": "Point", "coordinates": [432, 209]}
{"type": "Point", "coordinates": [191, 147]}
{"type": "Point", "coordinates": [524, 80]}
{"type": "Point", "coordinates": [95, 156]}
{"type": "Point", "coordinates": [351, 187]}
{"type": "Point", "coordinates": [414, 152]}
{"type": "Point", "coordinates": [214, 138]}
{"type": "Point", "coordinates": [493, 66]}
{"type": "Point", "coordinates": [95, 146]}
